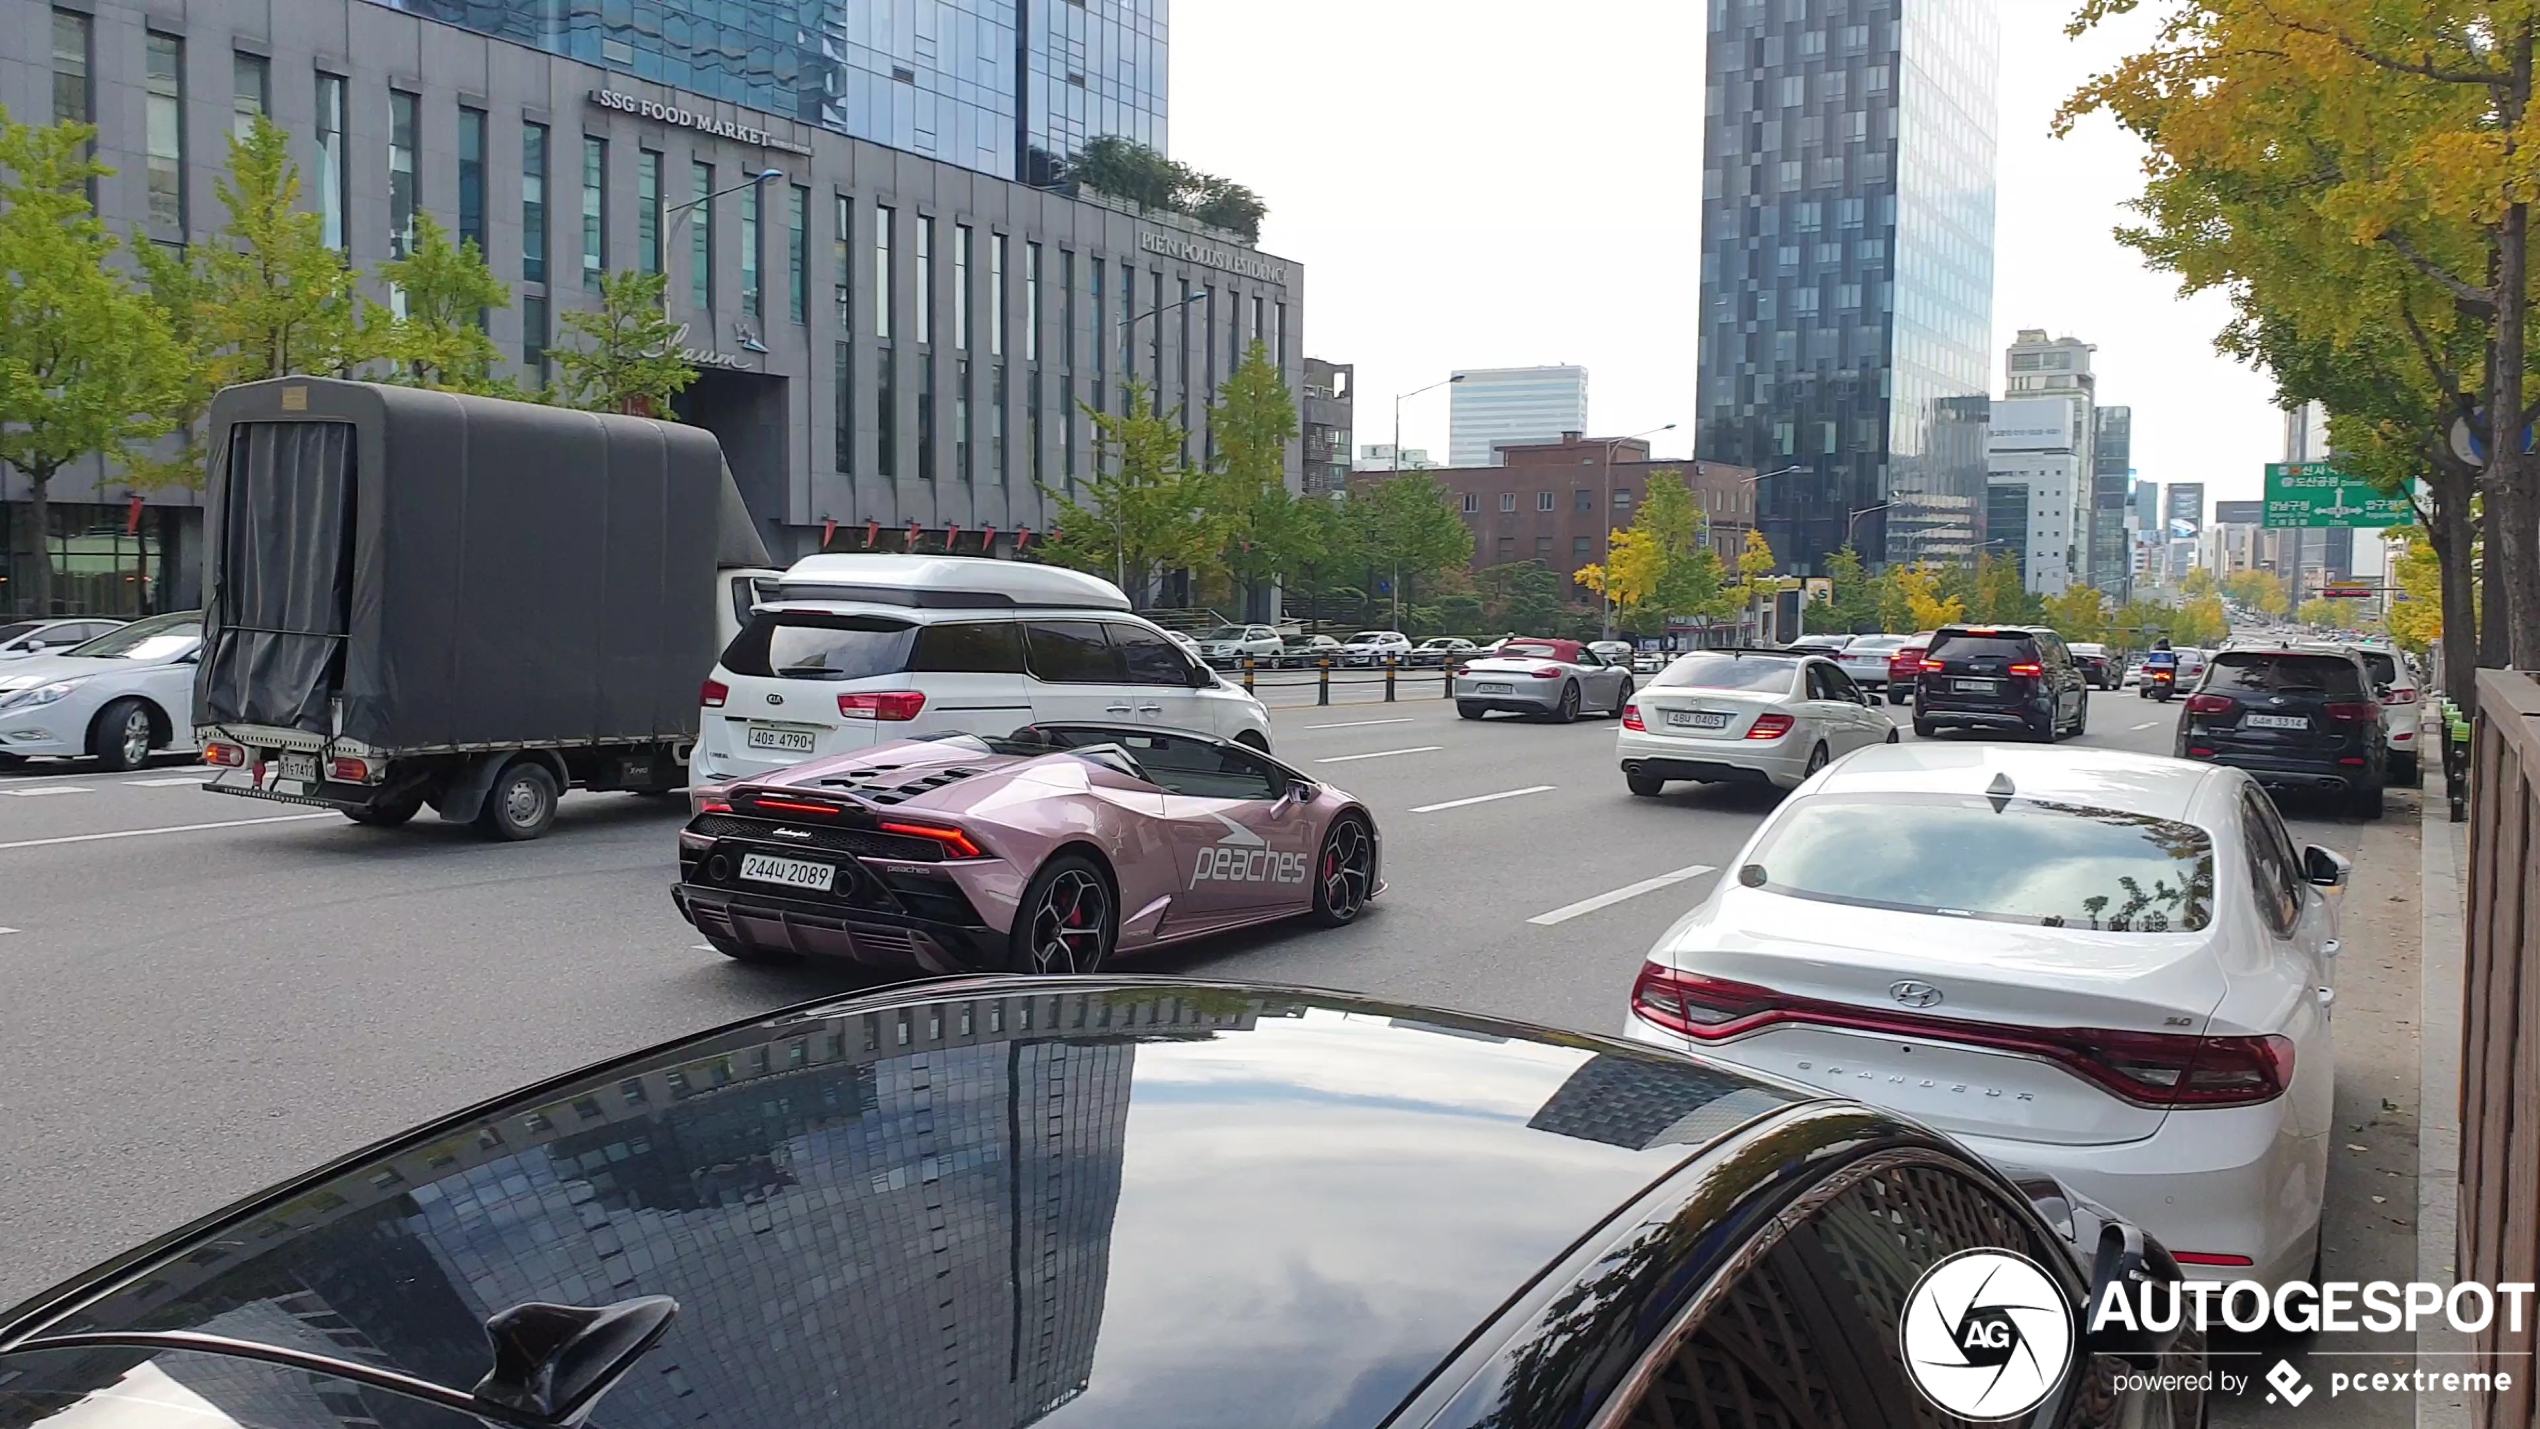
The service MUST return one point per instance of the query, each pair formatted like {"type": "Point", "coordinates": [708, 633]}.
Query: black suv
{"type": "Point", "coordinates": [2020, 677]}
{"type": "Point", "coordinates": [2295, 719]}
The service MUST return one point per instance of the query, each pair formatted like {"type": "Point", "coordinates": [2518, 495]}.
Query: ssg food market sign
{"type": "Point", "coordinates": [691, 119]}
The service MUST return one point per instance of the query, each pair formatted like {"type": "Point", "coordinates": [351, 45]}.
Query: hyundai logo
{"type": "Point", "coordinates": [776, 699]}
{"type": "Point", "coordinates": [1914, 994]}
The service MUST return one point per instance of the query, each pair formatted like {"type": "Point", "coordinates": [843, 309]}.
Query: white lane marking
{"type": "Point", "coordinates": [171, 829]}
{"type": "Point", "coordinates": [1487, 798]}
{"type": "Point", "coordinates": [2152, 724]}
{"type": "Point", "coordinates": [48, 789]}
{"type": "Point", "coordinates": [1628, 890]}
{"type": "Point", "coordinates": [1381, 754]}
{"type": "Point", "coordinates": [4, 932]}
{"type": "Point", "coordinates": [169, 782]}
{"type": "Point", "coordinates": [702, 947]}
{"type": "Point", "coordinates": [1361, 723]}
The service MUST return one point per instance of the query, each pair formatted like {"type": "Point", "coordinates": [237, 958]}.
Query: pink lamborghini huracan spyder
{"type": "Point", "coordinates": [1047, 850]}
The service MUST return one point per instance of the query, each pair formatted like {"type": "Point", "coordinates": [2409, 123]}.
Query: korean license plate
{"type": "Point", "coordinates": [299, 768]}
{"type": "Point", "coordinates": [789, 872]}
{"type": "Point", "coordinates": [778, 737]}
{"type": "Point", "coordinates": [2265, 721]}
{"type": "Point", "coordinates": [1975, 687]}
{"type": "Point", "coordinates": [1698, 719]}
{"type": "Point", "coordinates": [1494, 689]}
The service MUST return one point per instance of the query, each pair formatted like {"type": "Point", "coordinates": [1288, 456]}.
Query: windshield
{"type": "Point", "coordinates": [2385, 670]}
{"type": "Point", "coordinates": [2251, 672]}
{"type": "Point", "coordinates": [1373, 637]}
{"type": "Point", "coordinates": [1227, 632]}
{"type": "Point", "coordinates": [161, 637]}
{"type": "Point", "coordinates": [2007, 860]}
{"type": "Point", "coordinates": [1726, 672]}
{"type": "Point", "coordinates": [23, 627]}
{"type": "Point", "coordinates": [817, 645]}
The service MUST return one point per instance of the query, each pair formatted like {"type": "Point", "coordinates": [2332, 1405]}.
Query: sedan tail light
{"type": "Point", "coordinates": [894, 705]}
{"type": "Point", "coordinates": [2161, 1069]}
{"type": "Point", "coordinates": [2400, 697]}
{"type": "Point", "coordinates": [956, 843]}
{"type": "Point", "coordinates": [2346, 713]}
{"type": "Point", "coordinates": [1632, 719]}
{"type": "Point", "coordinates": [714, 694]}
{"type": "Point", "coordinates": [2211, 704]}
{"type": "Point", "coordinates": [1769, 726]}
{"type": "Point", "coordinates": [1552, 674]}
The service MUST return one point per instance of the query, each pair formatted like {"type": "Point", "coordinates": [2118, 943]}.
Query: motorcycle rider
{"type": "Point", "coordinates": [2160, 661]}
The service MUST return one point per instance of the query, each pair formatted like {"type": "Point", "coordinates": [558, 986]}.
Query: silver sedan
{"type": "Point", "coordinates": [1560, 678]}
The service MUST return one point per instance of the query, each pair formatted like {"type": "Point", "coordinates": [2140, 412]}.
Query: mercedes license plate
{"type": "Point", "coordinates": [300, 768]}
{"type": "Point", "coordinates": [1698, 719]}
{"type": "Point", "coordinates": [1974, 687]}
{"type": "Point", "coordinates": [2259, 721]}
{"type": "Point", "coordinates": [778, 737]}
{"type": "Point", "coordinates": [1489, 689]}
{"type": "Point", "coordinates": [789, 872]}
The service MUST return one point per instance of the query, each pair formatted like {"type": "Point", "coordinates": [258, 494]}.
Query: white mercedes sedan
{"type": "Point", "coordinates": [1744, 717]}
{"type": "Point", "coordinates": [2114, 968]}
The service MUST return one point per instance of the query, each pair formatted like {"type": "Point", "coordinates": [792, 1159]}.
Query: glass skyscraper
{"type": "Point", "coordinates": [1847, 269]}
{"type": "Point", "coordinates": [1007, 87]}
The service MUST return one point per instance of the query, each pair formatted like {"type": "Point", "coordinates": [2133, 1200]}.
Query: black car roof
{"type": "Point", "coordinates": [1081, 1201]}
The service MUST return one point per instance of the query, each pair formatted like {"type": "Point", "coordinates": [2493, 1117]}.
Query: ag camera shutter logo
{"type": "Point", "coordinates": [1987, 1335]}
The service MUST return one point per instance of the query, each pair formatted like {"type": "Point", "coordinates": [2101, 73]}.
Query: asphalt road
{"type": "Point", "coordinates": [200, 995]}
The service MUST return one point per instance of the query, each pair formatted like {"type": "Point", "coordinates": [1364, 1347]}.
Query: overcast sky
{"type": "Point", "coordinates": [1471, 186]}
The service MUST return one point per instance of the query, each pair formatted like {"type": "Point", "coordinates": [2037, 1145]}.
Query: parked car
{"type": "Point", "coordinates": [1820, 644]}
{"type": "Point", "coordinates": [860, 650]}
{"type": "Point", "coordinates": [1650, 662]}
{"type": "Point", "coordinates": [1374, 647]}
{"type": "Point", "coordinates": [2112, 967]}
{"type": "Point", "coordinates": [114, 699]}
{"type": "Point", "coordinates": [2394, 688]}
{"type": "Point", "coordinates": [1744, 717]}
{"type": "Point", "coordinates": [1228, 644]}
{"type": "Point", "coordinates": [2294, 718]}
{"type": "Point", "coordinates": [1867, 659]}
{"type": "Point", "coordinates": [1299, 652]}
{"type": "Point", "coordinates": [2098, 667]}
{"type": "Point", "coordinates": [22, 638]}
{"type": "Point", "coordinates": [1559, 678]}
{"type": "Point", "coordinates": [2014, 677]}
{"type": "Point", "coordinates": [1188, 642]}
{"type": "Point", "coordinates": [1613, 652]}
{"type": "Point", "coordinates": [1441, 650]}
{"type": "Point", "coordinates": [1905, 666]}
{"type": "Point", "coordinates": [1098, 1204]}
{"type": "Point", "coordinates": [1049, 850]}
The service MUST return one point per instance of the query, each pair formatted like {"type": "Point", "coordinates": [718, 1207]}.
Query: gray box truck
{"type": "Point", "coordinates": [418, 598]}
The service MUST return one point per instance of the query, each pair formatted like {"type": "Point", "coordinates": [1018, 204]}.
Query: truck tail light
{"type": "Point", "coordinates": [892, 705]}
{"type": "Point", "coordinates": [713, 694]}
{"type": "Point", "coordinates": [1769, 726]}
{"type": "Point", "coordinates": [349, 771]}
{"type": "Point", "coordinates": [227, 756]}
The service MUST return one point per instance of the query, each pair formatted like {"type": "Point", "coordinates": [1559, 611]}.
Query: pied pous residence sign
{"type": "Point", "coordinates": [1213, 255]}
{"type": "Point", "coordinates": [703, 123]}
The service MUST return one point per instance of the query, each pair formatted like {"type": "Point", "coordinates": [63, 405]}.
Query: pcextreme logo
{"type": "Point", "coordinates": [1243, 856]}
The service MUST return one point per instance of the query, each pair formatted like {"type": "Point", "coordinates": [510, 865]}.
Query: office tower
{"type": "Point", "coordinates": [1491, 407]}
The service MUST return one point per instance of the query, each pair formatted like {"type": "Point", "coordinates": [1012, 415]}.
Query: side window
{"type": "Point", "coordinates": [2274, 872]}
{"type": "Point", "coordinates": [1817, 682]}
{"type": "Point", "coordinates": [1149, 658]}
{"type": "Point", "coordinates": [968, 648]}
{"type": "Point", "coordinates": [1204, 769]}
{"type": "Point", "coordinates": [1840, 687]}
{"type": "Point", "coordinates": [1073, 652]}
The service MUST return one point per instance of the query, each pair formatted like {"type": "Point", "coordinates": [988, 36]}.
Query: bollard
{"type": "Point", "coordinates": [1323, 695]}
{"type": "Point", "coordinates": [1389, 664]}
{"type": "Point", "coordinates": [1446, 681]}
{"type": "Point", "coordinates": [1247, 674]}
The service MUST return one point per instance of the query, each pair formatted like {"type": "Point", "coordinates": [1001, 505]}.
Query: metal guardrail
{"type": "Point", "coordinates": [2499, 1232]}
{"type": "Point", "coordinates": [1322, 675]}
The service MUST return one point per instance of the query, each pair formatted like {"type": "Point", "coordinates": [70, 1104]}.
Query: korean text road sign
{"type": "Point", "coordinates": [2310, 494]}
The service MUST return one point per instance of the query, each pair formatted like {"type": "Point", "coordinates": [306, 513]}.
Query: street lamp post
{"type": "Point", "coordinates": [1129, 328]}
{"type": "Point", "coordinates": [1396, 590]}
{"type": "Point", "coordinates": [1853, 526]}
{"type": "Point", "coordinates": [1608, 519]}
{"type": "Point", "coordinates": [753, 181]}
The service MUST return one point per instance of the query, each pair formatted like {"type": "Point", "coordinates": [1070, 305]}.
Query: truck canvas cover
{"type": "Point", "coordinates": [424, 571]}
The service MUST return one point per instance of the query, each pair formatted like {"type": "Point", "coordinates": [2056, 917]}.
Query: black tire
{"type": "Point", "coordinates": [123, 735]}
{"type": "Point", "coordinates": [1568, 713]}
{"type": "Point", "coordinates": [11, 761]}
{"type": "Point", "coordinates": [2368, 802]}
{"type": "Point", "coordinates": [1468, 711]}
{"type": "Point", "coordinates": [520, 804]}
{"type": "Point", "coordinates": [1622, 697]}
{"type": "Point", "coordinates": [1344, 872]}
{"type": "Point", "coordinates": [1067, 920]}
{"type": "Point", "coordinates": [1817, 759]}
{"type": "Point", "coordinates": [1254, 739]}
{"type": "Point", "coordinates": [2407, 770]}
{"type": "Point", "coordinates": [2081, 719]}
{"type": "Point", "coordinates": [2050, 733]}
{"type": "Point", "coordinates": [387, 815]}
{"type": "Point", "coordinates": [1892, 736]}
{"type": "Point", "coordinates": [1923, 728]}
{"type": "Point", "coordinates": [1647, 786]}
{"type": "Point", "coordinates": [741, 952]}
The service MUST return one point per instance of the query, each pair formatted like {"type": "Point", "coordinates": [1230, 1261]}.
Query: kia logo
{"type": "Point", "coordinates": [776, 699]}
{"type": "Point", "coordinates": [1914, 994]}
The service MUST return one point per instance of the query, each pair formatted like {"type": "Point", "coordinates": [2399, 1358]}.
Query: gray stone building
{"type": "Point", "coordinates": [891, 339]}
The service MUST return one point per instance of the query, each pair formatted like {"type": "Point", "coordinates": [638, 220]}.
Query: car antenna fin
{"type": "Point", "coordinates": [2000, 791]}
{"type": "Point", "coordinates": [552, 1363]}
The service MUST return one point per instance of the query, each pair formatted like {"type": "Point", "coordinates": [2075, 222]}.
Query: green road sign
{"type": "Point", "coordinates": [2310, 494]}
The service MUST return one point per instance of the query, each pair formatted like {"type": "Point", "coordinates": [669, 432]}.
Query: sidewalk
{"type": "Point", "coordinates": [2438, 1080]}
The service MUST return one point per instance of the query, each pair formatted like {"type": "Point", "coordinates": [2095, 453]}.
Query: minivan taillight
{"type": "Point", "coordinates": [2162, 1069]}
{"type": "Point", "coordinates": [714, 693]}
{"type": "Point", "coordinates": [2211, 704]}
{"type": "Point", "coordinates": [895, 705]}
{"type": "Point", "coordinates": [2028, 669]}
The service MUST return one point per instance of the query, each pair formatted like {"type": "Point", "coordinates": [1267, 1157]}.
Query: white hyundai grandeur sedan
{"type": "Point", "coordinates": [2110, 967]}
{"type": "Point", "coordinates": [114, 699]}
{"type": "Point", "coordinates": [1744, 717]}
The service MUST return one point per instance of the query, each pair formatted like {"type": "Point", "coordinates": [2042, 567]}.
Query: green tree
{"type": "Point", "coordinates": [1852, 602]}
{"type": "Point", "coordinates": [1319, 551]}
{"type": "Point", "coordinates": [2259, 590]}
{"type": "Point", "coordinates": [630, 361]}
{"type": "Point", "coordinates": [86, 363]}
{"type": "Point", "coordinates": [2201, 621]}
{"type": "Point", "coordinates": [2416, 608]}
{"type": "Point", "coordinates": [177, 292]}
{"type": "Point", "coordinates": [1896, 606]}
{"type": "Point", "coordinates": [1137, 513]}
{"type": "Point", "coordinates": [2000, 595]}
{"type": "Point", "coordinates": [2080, 613]}
{"type": "Point", "coordinates": [1245, 495]}
{"type": "Point", "coordinates": [440, 340]}
{"type": "Point", "coordinates": [1662, 564]}
{"type": "Point", "coordinates": [275, 301]}
{"type": "Point", "coordinates": [1408, 530]}
{"type": "Point", "coordinates": [1520, 598]}
{"type": "Point", "coordinates": [2198, 581]}
{"type": "Point", "coordinates": [2321, 613]}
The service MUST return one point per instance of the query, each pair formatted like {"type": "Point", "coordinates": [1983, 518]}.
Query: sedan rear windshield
{"type": "Point", "coordinates": [2260, 672]}
{"type": "Point", "coordinates": [1726, 672]}
{"type": "Point", "coordinates": [1981, 647]}
{"type": "Point", "coordinates": [2008, 860]}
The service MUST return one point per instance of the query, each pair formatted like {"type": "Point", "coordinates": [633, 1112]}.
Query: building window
{"type": "Point", "coordinates": [798, 254]}
{"type": "Point", "coordinates": [334, 157]}
{"type": "Point", "coordinates": [1279, 335]}
{"type": "Point", "coordinates": [1580, 548]}
{"type": "Point", "coordinates": [595, 229]}
{"type": "Point", "coordinates": [961, 288]}
{"type": "Point", "coordinates": [1507, 501]}
{"type": "Point", "coordinates": [1543, 548]}
{"type": "Point", "coordinates": [1102, 347]}
{"type": "Point", "coordinates": [845, 375]}
{"type": "Point", "coordinates": [886, 414]}
{"type": "Point", "coordinates": [701, 237]}
{"type": "Point", "coordinates": [996, 295]}
{"type": "Point", "coordinates": [165, 131]}
{"type": "Point", "coordinates": [533, 203]}
{"type": "Point", "coordinates": [884, 300]}
{"type": "Point", "coordinates": [1031, 301]}
{"type": "Point", "coordinates": [1067, 430]}
{"type": "Point", "coordinates": [1472, 502]}
{"type": "Point", "coordinates": [251, 91]}
{"type": "Point", "coordinates": [925, 293]}
{"type": "Point", "coordinates": [1583, 500]}
{"type": "Point", "coordinates": [751, 294]}
{"type": "Point", "coordinates": [1543, 501]}
{"type": "Point", "coordinates": [1507, 548]}
{"type": "Point", "coordinates": [1128, 323]}
{"type": "Point", "coordinates": [925, 415]}
{"type": "Point", "coordinates": [533, 339]}
{"type": "Point", "coordinates": [648, 215]}
{"type": "Point", "coordinates": [472, 178]}
{"type": "Point", "coordinates": [842, 258]}
{"type": "Point", "coordinates": [402, 126]}
{"type": "Point", "coordinates": [1032, 420]}
{"type": "Point", "coordinates": [1622, 497]}
{"type": "Point", "coordinates": [997, 429]}
{"type": "Point", "coordinates": [961, 419]}
{"type": "Point", "coordinates": [74, 97]}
